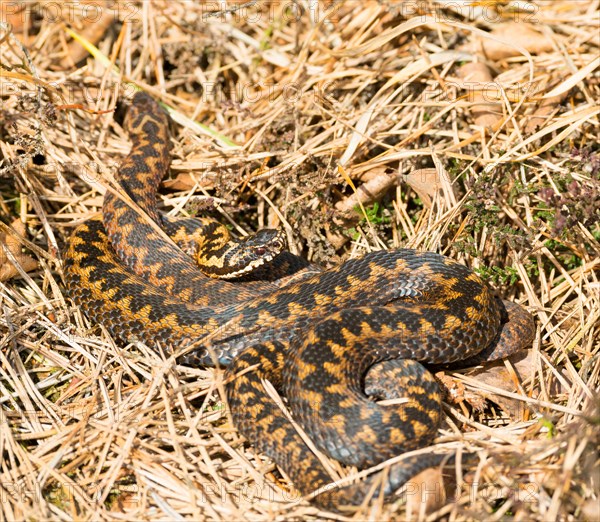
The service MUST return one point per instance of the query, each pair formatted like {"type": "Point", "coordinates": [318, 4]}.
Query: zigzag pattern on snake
{"type": "Point", "coordinates": [331, 341]}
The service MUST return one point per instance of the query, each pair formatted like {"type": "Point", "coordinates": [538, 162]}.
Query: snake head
{"type": "Point", "coordinates": [238, 258]}
{"type": "Point", "coordinates": [268, 243]}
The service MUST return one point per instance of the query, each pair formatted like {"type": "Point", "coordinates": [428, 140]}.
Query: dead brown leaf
{"type": "Point", "coordinates": [370, 191]}
{"type": "Point", "coordinates": [426, 183]}
{"type": "Point", "coordinates": [543, 113]}
{"type": "Point", "coordinates": [14, 14]}
{"type": "Point", "coordinates": [497, 375]}
{"type": "Point", "coordinates": [519, 34]}
{"type": "Point", "coordinates": [425, 493]}
{"type": "Point", "coordinates": [478, 79]}
{"type": "Point", "coordinates": [8, 270]}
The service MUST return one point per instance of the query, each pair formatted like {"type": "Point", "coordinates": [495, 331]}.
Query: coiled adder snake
{"type": "Point", "coordinates": [332, 341]}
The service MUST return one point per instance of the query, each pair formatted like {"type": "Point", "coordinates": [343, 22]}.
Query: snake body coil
{"type": "Point", "coordinates": [331, 342]}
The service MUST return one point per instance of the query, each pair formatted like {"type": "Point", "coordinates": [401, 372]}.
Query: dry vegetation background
{"type": "Point", "coordinates": [466, 128]}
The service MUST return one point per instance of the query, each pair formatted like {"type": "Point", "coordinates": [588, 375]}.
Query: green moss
{"type": "Point", "coordinates": [506, 276]}
{"type": "Point", "coordinates": [549, 425]}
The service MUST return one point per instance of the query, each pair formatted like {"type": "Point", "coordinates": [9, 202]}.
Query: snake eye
{"type": "Point", "coordinates": [261, 251]}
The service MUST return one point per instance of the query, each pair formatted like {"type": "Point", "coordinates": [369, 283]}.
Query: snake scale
{"type": "Point", "coordinates": [333, 342]}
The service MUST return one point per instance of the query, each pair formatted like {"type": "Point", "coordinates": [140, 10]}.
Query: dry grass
{"type": "Point", "coordinates": [353, 95]}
